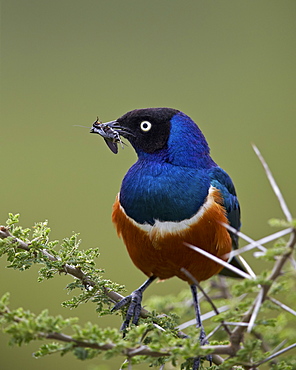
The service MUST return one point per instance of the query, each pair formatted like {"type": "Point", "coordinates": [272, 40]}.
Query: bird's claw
{"type": "Point", "coordinates": [134, 310]}
{"type": "Point", "coordinates": [196, 361]}
{"type": "Point", "coordinates": [203, 340]}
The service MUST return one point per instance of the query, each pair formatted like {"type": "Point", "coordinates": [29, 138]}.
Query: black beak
{"type": "Point", "coordinates": [110, 131]}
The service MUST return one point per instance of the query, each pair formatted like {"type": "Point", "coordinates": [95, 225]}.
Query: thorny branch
{"type": "Point", "coordinates": [87, 282]}
{"type": "Point", "coordinates": [236, 336]}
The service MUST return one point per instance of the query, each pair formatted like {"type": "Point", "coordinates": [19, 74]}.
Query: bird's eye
{"type": "Point", "coordinates": [145, 126]}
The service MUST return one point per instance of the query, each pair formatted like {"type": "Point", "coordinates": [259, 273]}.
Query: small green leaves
{"type": "Point", "coordinates": [275, 222]}
{"type": "Point", "coordinates": [156, 340]}
{"type": "Point", "coordinates": [12, 219]}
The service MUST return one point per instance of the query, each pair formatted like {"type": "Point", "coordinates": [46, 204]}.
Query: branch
{"type": "Point", "coordinates": [68, 269]}
{"type": "Point", "coordinates": [130, 352]}
{"type": "Point", "coordinates": [142, 350]}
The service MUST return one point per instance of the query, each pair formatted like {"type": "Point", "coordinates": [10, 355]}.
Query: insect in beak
{"type": "Point", "coordinates": [110, 132]}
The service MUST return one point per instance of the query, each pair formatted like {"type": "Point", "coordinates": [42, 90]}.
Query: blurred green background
{"type": "Point", "coordinates": [228, 64]}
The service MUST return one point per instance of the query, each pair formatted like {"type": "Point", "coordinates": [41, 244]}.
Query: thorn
{"type": "Point", "coordinates": [218, 260]}
{"type": "Point", "coordinates": [274, 185]}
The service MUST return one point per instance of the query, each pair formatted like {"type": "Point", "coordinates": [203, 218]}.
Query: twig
{"type": "Point", "coordinates": [230, 323]}
{"type": "Point", "coordinates": [256, 244]}
{"type": "Point", "coordinates": [204, 317]}
{"type": "Point", "coordinates": [256, 309]}
{"type": "Point", "coordinates": [4, 233]}
{"type": "Point", "coordinates": [279, 346]}
{"type": "Point", "coordinates": [213, 331]}
{"type": "Point", "coordinates": [274, 185]}
{"type": "Point", "coordinates": [261, 241]}
{"type": "Point", "coordinates": [222, 286]}
{"type": "Point", "coordinates": [277, 268]}
{"type": "Point", "coordinates": [130, 352]}
{"type": "Point", "coordinates": [276, 354]}
{"type": "Point", "coordinates": [219, 260]}
{"type": "Point", "coordinates": [282, 305]}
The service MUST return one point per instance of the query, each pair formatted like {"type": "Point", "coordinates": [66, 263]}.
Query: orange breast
{"type": "Point", "coordinates": [159, 249]}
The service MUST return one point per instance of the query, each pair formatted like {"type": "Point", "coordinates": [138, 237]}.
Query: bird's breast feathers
{"type": "Point", "coordinates": [162, 247]}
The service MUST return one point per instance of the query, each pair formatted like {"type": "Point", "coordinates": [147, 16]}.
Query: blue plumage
{"type": "Point", "coordinates": [221, 181]}
{"type": "Point", "coordinates": [149, 185]}
{"type": "Point", "coordinates": [187, 146]}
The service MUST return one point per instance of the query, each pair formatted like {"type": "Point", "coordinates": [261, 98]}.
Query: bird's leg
{"type": "Point", "coordinates": [134, 301]}
{"type": "Point", "coordinates": [198, 314]}
{"type": "Point", "coordinates": [202, 335]}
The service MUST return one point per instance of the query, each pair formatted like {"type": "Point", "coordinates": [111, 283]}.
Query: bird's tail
{"type": "Point", "coordinates": [236, 263]}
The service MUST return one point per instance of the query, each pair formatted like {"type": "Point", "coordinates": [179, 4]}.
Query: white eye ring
{"type": "Point", "coordinates": [145, 126]}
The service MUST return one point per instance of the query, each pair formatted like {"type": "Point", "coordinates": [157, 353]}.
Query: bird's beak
{"type": "Point", "coordinates": [110, 131]}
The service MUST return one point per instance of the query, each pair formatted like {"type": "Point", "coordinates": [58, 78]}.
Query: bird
{"type": "Point", "coordinates": [172, 196]}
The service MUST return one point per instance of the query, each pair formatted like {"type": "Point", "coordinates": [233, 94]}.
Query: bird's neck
{"type": "Point", "coordinates": [190, 151]}
{"type": "Point", "coordinates": [177, 156]}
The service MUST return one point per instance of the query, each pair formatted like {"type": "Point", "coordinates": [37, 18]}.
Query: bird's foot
{"type": "Point", "coordinates": [134, 301]}
{"type": "Point", "coordinates": [134, 310]}
{"type": "Point", "coordinates": [203, 340]}
{"type": "Point", "coordinates": [196, 361]}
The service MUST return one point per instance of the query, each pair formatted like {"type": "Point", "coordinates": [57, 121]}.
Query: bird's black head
{"type": "Point", "coordinates": [146, 129]}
